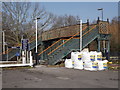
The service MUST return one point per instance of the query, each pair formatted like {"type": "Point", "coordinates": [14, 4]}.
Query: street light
{"type": "Point", "coordinates": [101, 9]}
{"type": "Point", "coordinates": [36, 52]}
{"type": "Point", "coordinates": [80, 35]}
{"type": "Point", "coordinates": [3, 34]}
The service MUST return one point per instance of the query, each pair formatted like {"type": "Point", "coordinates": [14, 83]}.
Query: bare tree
{"type": "Point", "coordinates": [94, 22]}
{"type": "Point", "coordinates": [65, 20]}
{"type": "Point", "coordinates": [114, 31]}
{"type": "Point", "coordinates": [18, 19]}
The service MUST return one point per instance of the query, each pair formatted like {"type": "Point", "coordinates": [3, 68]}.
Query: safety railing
{"type": "Point", "coordinates": [47, 50]}
{"type": "Point", "coordinates": [73, 44]}
{"type": "Point", "coordinates": [49, 47]}
{"type": "Point", "coordinates": [72, 38]}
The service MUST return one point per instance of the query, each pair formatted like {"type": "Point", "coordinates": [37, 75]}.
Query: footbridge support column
{"type": "Point", "coordinates": [99, 46]}
{"type": "Point", "coordinates": [108, 50]}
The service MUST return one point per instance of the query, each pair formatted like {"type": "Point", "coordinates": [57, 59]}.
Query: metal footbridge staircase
{"type": "Point", "coordinates": [60, 49]}
{"type": "Point", "coordinates": [62, 46]}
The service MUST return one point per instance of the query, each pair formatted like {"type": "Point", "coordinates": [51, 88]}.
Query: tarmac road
{"type": "Point", "coordinates": [58, 77]}
{"type": "Point", "coordinates": [0, 78]}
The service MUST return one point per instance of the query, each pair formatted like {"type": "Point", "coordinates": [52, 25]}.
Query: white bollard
{"type": "Point", "coordinates": [31, 60]}
{"type": "Point", "coordinates": [23, 53]}
{"type": "Point", "coordinates": [23, 60]}
{"type": "Point", "coordinates": [23, 57]}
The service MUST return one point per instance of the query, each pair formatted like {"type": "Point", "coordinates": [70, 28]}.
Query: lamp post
{"type": "Point", "coordinates": [36, 51]}
{"type": "Point", "coordinates": [3, 34]}
{"type": "Point", "coordinates": [80, 35]}
{"type": "Point", "coordinates": [7, 53]}
{"type": "Point", "coordinates": [101, 9]}
{"type": "Point", "coordinates": [80, 30]}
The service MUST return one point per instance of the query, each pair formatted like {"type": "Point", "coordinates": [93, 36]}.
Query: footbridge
{"type": "Point", "coordinates": [58, 43]}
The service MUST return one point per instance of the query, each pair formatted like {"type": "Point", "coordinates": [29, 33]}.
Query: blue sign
{"type": "Point", "coordinates": [17, 54]}
{"type": "Point", "coordinates": [25, 44]}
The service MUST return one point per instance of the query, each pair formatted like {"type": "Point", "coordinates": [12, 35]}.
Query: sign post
{"type": "Point", "coordinates": [25, 48]}
{"type": "Point", "coordinates": [25, 44]}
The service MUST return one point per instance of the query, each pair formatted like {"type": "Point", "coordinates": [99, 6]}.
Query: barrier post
{"type": "Point", "coordinates": [31, 61]}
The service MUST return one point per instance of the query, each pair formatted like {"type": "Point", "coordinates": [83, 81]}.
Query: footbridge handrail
{"type": "Point", "coordinates": [71, 38]}
{"type": "Point", "coordinates": [49, 47]}
{"type": "Point", "coordinates": [57, 42]}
